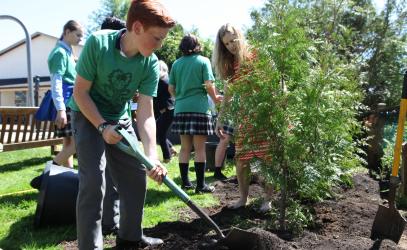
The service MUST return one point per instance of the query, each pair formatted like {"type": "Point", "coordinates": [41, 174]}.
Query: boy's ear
{"type": "Point", "coordinates": [137, 27]}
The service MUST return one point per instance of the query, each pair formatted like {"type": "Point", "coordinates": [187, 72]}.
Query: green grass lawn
{"type": "Point", "coordinates": [18, 201]}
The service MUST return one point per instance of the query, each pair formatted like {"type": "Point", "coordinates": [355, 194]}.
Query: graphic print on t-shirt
{"type": "Point", "coordinates": [119, 88]}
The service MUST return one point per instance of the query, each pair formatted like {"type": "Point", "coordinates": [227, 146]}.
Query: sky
{"type": "Point", "coordinates": [49, 16]}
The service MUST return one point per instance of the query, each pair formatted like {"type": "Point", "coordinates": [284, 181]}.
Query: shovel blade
{"type": "Point", "coordinates": [388, 224]}
{"type": "Point", "coordinates": [239, 239]}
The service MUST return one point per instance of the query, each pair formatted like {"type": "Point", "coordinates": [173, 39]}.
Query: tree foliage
{"type": "Point", "coordinates": [305, 98]}
{"type": "Point", "coordinates": [108, 8]}
{"type": "Point", "coordinates": [375, 41]}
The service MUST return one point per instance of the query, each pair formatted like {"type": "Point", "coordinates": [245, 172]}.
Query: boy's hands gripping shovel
{"type": "Point", "coordinates": [388, 223]}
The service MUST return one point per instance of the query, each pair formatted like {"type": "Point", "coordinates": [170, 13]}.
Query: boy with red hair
{"type": "Point", "coordinates": [112, 67]}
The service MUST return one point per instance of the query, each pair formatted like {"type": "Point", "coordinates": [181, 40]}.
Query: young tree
{"type": "Point", "coordinates": [305, 99]}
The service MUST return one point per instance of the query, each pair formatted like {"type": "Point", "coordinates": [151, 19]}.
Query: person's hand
{"type": "Point", "coordinates": [61, 120]}
{"type": "Point", "coordinates": [219, 99]}
{"type": "Point", "coordinates": [219, 130]}
{"type": "Point", "coordinates": [158, 172]}
{"type": "Point", "coordinates": [110, 135]}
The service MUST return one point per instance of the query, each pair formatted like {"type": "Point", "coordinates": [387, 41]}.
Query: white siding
{"type": "Point", "coordinates": [13, 64]}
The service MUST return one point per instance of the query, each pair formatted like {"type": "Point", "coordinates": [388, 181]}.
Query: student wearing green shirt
{"type": "Point", "coordinates": [61, 65]}
{"type": "Point", "coordinates": [112, 67]}
{"type": "Point", "coordinates": [191, 79]}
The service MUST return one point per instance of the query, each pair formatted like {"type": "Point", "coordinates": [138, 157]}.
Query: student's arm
{"type": "Point", "coordinates": [56, 90]}
{"type": "Point", "coordinates": [146, 127]}
{"type": "Point", "coordinates": [90, 111]}
{"type": "Point", "coordinates": [219, 126]}
{"type": "Point", "coordinates": [171, 89]}
{"type": "Point", "coordinates": [211, 90]}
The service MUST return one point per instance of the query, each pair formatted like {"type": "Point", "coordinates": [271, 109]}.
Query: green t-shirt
{"type": "Point", "coordinates": [188, 75]}
{"type": "Point", "coordinates": [61, 62]}
{"type": "Point", "coordinates": [115, 78]}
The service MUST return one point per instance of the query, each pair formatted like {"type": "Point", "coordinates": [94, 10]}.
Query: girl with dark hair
{"type": "Point", "coordinates": [191, 79]}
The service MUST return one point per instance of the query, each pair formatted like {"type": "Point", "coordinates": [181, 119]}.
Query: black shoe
{"type": "Point", "coordinates": [126, 244]}
{"type": "Point", "coordinates": [220, 176]}
{"type": "Point", "coordinates": [134, 245]}
{"type": "Point", "coordinates": [205, 189]}
{"type": "Point", "coordinates": [188, 187]}
{"type": "Point", "coordinates": [150, 242]}
{"type": "Point", "coordinates": [110, 230]}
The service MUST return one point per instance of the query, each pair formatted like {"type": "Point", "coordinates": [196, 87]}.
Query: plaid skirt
{"type": "Point", "coordinates": [228, 129]}
{"type": "Point", "coordinates": [67, 130]}
{"type": "Point", "coordinates": [192, 124]}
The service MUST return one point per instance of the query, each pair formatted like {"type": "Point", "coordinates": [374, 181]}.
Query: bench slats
{"type": "Point", "coordinates": [11, 128]}
{"type": "Point", "coordinates": [35, 144]}
{"type": "Point", "coordinates": [3, 127]}
{"type": "Point", "coordinates": [19, 125]}
{"type": "Point", "coordinates": [20, 130]}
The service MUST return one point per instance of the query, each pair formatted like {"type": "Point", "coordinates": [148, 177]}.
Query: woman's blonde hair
{"type": "Point", "coordinates": [222, 60]}
{"type": "Point", "coordinates": [163, 69]}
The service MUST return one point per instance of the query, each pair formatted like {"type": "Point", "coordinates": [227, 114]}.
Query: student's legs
{"type": "Point", "coordinates": [200, 164]}
{"type": "Point", "coordinates": [220, 156]}
{"type": "Point", "coordinates": [111, 204]}
{"type": "Point", "coordinates": [199, 146]}
{"type": "Point", "coordinates": [130, 180]}
{"type": "Point", "coordinates": [268, 191]}
{"type": "Point", "coordinates": [64, 158]}
{"type": "Point", "coordinates": [163, 125]}
{"type": "Point", "coordinates": [184, 154]}
{"type": "Point", "coordinates": [221, 150]}
{"type": "Point", "coordinates": [92, 163]}
{"type": "Point", "coordinates": [243, 178]}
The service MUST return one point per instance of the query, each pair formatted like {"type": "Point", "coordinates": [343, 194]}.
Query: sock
{"type": "Point", "coordinates": [218, 170]}
{"type": "Point", "coordinates": [183, 169]}
{"type": "Point", "coordinates": [200, 174]}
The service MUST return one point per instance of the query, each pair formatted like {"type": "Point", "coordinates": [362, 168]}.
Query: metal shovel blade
{"type": "Point", "coordinates": [388, 224]}
{"type": "Point", "coordinates": [239, 239]}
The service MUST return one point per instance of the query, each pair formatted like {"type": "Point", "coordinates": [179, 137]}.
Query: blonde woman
{"type": "Point", "coordinates": [230, 53]}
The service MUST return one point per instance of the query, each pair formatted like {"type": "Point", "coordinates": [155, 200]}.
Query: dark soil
{"type": "Point", "coordinates": [341, 223]}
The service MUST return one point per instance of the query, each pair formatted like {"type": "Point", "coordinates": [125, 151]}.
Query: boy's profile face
{"type": "Point", "coordinates": [149, 39]}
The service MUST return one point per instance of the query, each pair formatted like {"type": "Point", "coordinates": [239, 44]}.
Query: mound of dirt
{"type": "Point", "coordinates": [341, 223]}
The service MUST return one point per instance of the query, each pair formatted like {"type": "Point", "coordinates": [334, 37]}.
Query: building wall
{"type": "Point", "coordinates": [8, 97]}
{"type": "Point", "coordinates": [13, 64]}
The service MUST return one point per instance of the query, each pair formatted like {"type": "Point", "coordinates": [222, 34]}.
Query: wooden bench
{"type": "Point", "coordinates": [20, 130]}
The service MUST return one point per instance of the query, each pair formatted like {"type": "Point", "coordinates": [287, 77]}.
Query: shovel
{"type": "Point", "coordinates": [388, 223]}
{"type": "Point", "coordinates": [235, 239]}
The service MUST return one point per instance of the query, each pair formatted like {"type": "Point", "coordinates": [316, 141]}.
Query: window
{"type": "Point", "coordinates": [20, 98]}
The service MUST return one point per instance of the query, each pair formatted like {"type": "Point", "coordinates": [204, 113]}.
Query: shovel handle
{"type": "Point", "coordinates": [400, 128]}
{"type": "Point", "coordinates": [134, 150]}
